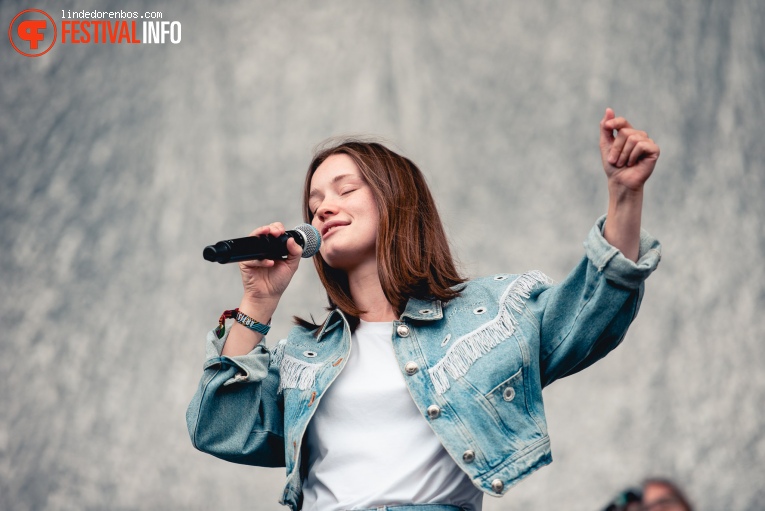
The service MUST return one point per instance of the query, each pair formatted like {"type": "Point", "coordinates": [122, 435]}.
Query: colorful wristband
{"type": "Point", "coordinates": [255, 326]}
{"type": "Point", "coordinates": [242, 319]}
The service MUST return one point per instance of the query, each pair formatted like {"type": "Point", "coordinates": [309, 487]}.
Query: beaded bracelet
{"type": "Point", "coordinates": [242, 319]}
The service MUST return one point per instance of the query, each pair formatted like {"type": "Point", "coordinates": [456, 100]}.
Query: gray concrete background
{"type": "Point", "coordinates": [119, 163]}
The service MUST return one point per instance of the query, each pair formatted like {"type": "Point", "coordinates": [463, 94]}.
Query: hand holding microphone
{"type": "Point", "coordinates": [268, 258]}
{"type": "Point", "coordinates": [264, 246]}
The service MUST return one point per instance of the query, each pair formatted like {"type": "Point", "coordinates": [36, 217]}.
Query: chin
{"type": "Point", "coordinates": [331, 258]}
{"type": "Point", "coordinates": [345, 261]}
{"type": "Point", "coordinates": [335, 262]}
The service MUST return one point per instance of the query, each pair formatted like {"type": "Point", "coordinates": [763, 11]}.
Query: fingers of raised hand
{"type": "Point", "coordinates": [643, 149]}
{"type": "Point", "coordinates": [624, 145]}
{"type": "Point", "coordinates": [607, 134]}
{"type": "Point", "coordinates": [616, 123]}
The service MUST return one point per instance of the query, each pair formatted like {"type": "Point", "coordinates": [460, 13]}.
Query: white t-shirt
{"type": "Point", "coordinates": [368, 443]}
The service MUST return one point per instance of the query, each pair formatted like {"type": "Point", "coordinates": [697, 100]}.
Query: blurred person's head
{"type": "Point", "coordinates": [655, 494]}
{"type": "Point", "coordinates": [663, 495]}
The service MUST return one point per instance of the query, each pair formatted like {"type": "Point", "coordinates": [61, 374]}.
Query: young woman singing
{"type": "Point", "coordinates": [421, 390]}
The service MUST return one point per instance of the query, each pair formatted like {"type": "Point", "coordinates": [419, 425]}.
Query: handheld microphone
{"type": "Point", "coordinates": [264, 246]}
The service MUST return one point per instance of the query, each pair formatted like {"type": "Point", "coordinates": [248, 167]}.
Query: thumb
{"type": "Point", "coordinates": [606, 133]}
{"type": "Point", "coordinates": [295, 251]}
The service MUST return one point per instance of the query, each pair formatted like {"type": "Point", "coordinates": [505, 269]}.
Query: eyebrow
{"type": "Point", "coordinates": [315, 193]}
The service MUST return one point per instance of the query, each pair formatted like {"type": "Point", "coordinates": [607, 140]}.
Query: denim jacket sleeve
{"type": "Point", "coordinates": [236, 413]}
{"type": "Point", "coordinates": [586, 315]}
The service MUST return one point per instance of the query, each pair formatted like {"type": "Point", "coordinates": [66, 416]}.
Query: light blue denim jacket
{"type": "Point", "coordinates": [475, 367]}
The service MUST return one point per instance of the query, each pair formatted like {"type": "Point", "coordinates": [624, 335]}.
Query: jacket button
{"type": "Point", "coordinates": [403, 330]}
{"type": "Point", "coordinates": [468, 456]}
{"type": "Point", "coordinates": [508, 394]}
{"type": "Point", "coordinates": [434, 411]}
{"type": "Point", "coordinates": [411, 368]}
{"type": "Point", "coordinates": [497, 485]}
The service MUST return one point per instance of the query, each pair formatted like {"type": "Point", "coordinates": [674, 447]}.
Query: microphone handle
{"type": "Point", "coordinates": [249, 248]}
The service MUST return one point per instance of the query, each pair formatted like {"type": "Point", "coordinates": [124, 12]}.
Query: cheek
{"type": "Point", "coordinates": [370, 209]}
{"type": "Point", "coordinates": [371, 230]}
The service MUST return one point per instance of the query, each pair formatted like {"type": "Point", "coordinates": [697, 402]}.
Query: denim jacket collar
{"type": "Point", "coordinates": [423, 310]}
{"type": "Point", "coordinates": [334, 319]}
{"type": "Point", "coordinates": [416, 309]}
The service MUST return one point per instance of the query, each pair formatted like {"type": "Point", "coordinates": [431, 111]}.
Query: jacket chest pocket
{"type": "Point", "coordinates": [509, 401]}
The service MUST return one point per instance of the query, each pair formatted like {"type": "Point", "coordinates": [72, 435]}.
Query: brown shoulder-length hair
{"type": "Point", "coordinates": [413, 254]}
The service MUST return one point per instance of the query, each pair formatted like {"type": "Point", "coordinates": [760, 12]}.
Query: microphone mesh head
{"type": "Point", "coordinates": [311, 239]}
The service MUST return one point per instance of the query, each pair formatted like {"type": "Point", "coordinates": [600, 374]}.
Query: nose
{"type": "Point", "coordinates": [325, 210]}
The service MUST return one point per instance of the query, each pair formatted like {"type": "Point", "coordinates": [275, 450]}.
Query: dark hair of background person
{"type": "Point", "coordinates": [413, 254]}
{"type": "Point", "coordinates": [627, 500]}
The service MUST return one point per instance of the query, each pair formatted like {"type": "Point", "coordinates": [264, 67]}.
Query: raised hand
{"type": "Point", "coordinates": [629, 156]}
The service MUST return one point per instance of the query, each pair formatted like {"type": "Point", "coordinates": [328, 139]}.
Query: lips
{"type": "Point", "coordinates": [330, 227]}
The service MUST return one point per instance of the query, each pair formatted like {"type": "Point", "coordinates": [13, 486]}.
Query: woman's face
{"type": "Point", "coordinates": [344, 212]}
